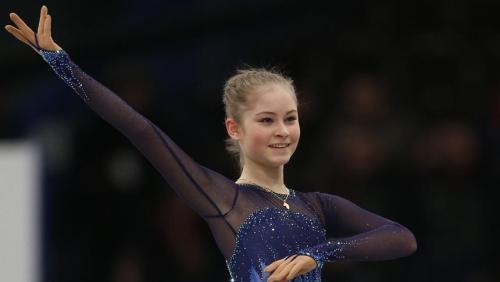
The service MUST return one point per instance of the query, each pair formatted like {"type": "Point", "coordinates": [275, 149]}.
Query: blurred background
{"type": "Point", "coordinates": [400, 113]}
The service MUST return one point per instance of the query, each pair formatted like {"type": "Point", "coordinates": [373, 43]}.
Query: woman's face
{"type": "Point", "coordinates": [269, 130]}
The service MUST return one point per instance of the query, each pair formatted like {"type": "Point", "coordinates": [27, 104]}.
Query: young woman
{"type": "Point", "coordinates": [266, 231]}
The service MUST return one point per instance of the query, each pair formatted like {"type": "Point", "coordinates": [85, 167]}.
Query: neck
{"type": "Point", "coordinates": [269, 177]}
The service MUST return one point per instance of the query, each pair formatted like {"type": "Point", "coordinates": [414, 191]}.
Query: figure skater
{"type": "Point", "coordinates": [265, 230]}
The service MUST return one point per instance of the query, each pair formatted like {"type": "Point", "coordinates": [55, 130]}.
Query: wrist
{"type": "Point", "coordinates": [51, 56]}
{"type": "Point", "coordinates": [316, 259]}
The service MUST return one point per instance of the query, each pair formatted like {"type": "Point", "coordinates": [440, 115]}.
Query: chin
{"type": "Point", "coordinates": [276, 162]}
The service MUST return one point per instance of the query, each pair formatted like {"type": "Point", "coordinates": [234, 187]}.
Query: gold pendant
{"type": "Point", "coordinates": [287, 206]}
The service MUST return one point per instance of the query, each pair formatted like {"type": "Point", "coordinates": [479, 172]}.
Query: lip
{"type": "Point", "coordinates": [278, 148]}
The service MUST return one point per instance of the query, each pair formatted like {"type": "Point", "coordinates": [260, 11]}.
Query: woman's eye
{"type": "Point", "coordinates": [291, 118]}
{"type": "Point", "coordinates": [266, 120]}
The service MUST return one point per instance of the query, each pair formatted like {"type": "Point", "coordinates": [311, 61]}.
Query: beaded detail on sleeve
{"type": "Point", "coordinates": [61, 63]}
{"type": "Point", "coordinates": [329, 251]}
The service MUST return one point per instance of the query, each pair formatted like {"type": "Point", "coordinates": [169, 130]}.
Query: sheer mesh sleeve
{"type": "Point", "coordinates": [205, 191]}
{"type": "Point", "coordinates": [359, 235]}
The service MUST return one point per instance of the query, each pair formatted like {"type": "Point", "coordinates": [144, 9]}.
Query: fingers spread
{"type": "Point", "coordinates": [41, 21]}
{"type": "Point", "coordinates": [17, 33]}
{"type": "Point", "coordinates": [21, 25]}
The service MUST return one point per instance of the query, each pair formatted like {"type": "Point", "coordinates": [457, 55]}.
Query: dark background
{"type": "Point", "coordinates": [400, 113]}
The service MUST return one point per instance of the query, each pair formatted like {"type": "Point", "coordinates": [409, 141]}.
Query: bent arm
{"type": "Point", "coordinates": [359, 235]}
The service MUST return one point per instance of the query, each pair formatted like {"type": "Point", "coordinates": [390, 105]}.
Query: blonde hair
{"type": "Point", "coordinates": [236, 91]}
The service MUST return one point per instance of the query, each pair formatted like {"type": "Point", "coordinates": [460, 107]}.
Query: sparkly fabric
{"type": "Point", "coordinates": [271, 234]}
{"type": "Point", "coordinates": [61, 64]}
{"type": "Point", "coordinates": [250, 226]}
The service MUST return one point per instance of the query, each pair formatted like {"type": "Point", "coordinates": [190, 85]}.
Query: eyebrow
{"type": "Point", "coordinates": [272, 113]}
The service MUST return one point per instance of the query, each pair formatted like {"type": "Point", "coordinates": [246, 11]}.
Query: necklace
{"type": "Point", "coordinates": [285, 204]}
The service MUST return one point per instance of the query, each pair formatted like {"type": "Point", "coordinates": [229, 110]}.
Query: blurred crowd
{"type": "Point", "coordinates": [399, 111]}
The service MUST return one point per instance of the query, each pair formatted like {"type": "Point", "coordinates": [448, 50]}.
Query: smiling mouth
{"type": "Point", "coordinates": [279, 145]}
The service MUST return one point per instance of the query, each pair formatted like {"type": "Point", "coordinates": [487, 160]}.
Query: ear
{"type": "Point", "coordinates": [233, 129]}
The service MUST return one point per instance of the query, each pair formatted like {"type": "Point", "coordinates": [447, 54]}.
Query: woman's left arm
{"type": "Point", "coordinates": [359, 235]}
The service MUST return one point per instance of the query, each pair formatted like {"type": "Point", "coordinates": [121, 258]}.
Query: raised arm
{"type": "Point", "coordinates": [207, 192]}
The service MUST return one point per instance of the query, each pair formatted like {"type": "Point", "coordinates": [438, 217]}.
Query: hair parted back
{"type": "Point", "coordinates": [236, 91]}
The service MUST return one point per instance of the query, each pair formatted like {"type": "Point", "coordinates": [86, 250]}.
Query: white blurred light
{"type": "Point", "coordinates": [20, 164]}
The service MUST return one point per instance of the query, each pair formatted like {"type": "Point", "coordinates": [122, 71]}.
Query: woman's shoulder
{"type": "Point", "coordinates": [322, 200]}
{"type": "Point", "coordinates": [315, 194]}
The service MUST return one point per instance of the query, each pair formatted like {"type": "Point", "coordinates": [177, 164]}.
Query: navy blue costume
{"type": "Point", "coordinates": [251, 226]}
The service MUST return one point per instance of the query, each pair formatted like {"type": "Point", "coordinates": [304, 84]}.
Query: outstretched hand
{"type": "Point", "coordinates": [42, 39]}
{"type": "Point", "coordinates": [289, 268]}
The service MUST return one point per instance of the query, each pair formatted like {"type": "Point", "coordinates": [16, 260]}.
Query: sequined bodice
{"type": "Point", "coordinates": [250, 226]}
{"type": "Point", "coordinates": [271, 234]}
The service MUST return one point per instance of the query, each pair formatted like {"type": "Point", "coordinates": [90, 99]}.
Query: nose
{"type": "Point", "coordinates": [282, 130]}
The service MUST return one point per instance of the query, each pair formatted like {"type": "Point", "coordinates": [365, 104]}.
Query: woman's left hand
{"type": "Point", "coordinates": [288, 268]}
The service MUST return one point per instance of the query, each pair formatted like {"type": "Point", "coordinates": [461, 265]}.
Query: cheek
{"type": "Point", "coordinates": [295, 132]}
{"type": "Point", "coordinates": [257, 138]}
{"type": "Point", "coordinates": [260, 138]}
